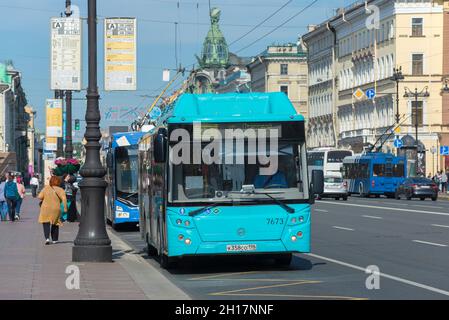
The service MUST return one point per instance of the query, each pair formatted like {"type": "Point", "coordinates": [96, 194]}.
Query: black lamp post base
{"type": "Point", "coordinates": [92, 254]}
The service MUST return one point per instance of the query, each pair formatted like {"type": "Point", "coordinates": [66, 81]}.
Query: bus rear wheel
{"type": "Point", "coordinates": [166, 262]}
{"type": "Point", "coordinates": [283, 259]}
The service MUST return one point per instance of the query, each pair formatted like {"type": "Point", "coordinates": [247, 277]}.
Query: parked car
{"type": "Point", "coordinates": [334, 187]}
{"type": "Point", "coordinates": [421, 188]}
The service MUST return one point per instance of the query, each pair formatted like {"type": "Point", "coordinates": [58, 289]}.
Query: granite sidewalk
{"type": "Point", "coordinates": [31, 270]}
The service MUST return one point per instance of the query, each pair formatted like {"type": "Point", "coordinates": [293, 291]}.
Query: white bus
{"type": "Point", "coordinates": [329, 160]}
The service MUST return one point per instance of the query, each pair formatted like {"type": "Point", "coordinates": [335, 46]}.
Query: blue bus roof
{"type": "Point", "coordinates": [373, 156]}
{"type": "Point", "coordinates": [125, 139]}
{"type": "Point", "coordinates": [234, 107]}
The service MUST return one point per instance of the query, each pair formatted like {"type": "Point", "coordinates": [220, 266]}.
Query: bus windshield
{"type": "Point", "coordinates": [126, 173]}
{"type": "Point", "coordinates": [201, 182]}
{"type": "Point", "coordinates": [221, 180]}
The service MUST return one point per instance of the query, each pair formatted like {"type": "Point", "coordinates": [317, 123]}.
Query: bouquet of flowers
{"type": "Point", "coordinates": [69, 166]}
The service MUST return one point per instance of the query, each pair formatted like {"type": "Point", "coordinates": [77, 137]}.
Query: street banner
{"type": "Point", "coordinates": [120, 54]}
{"type": "Point", "coordinates": [54, 118]}
{"type": "Point", "coordinates": [66, 54]}
{"type": "Point", "coordinates": [51, 144]}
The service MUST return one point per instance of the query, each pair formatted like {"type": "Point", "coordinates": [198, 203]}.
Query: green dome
{"type": "Point", "coordinates": [215, 49]}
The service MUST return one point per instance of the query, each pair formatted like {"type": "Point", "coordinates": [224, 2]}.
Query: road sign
{"type": "Point", "coordinates": [66, 54]}
{"type": "Point", "coordinates": [398, 143]}
{"type": "Point", "coordinates": [359, 94]}
{"type": "Point", "coordinates": [120, 54]}
{"type": "Point", "coordinates": [370, 94]}
{"type": "Point", "coordinates": [444, 150]}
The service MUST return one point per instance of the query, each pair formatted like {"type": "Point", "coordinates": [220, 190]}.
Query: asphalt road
{"type": "Point", "coordinates": [408, 241]}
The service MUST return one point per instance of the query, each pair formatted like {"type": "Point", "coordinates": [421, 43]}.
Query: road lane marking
{"type": "Point", "coordinates": [244, 292]}
{"type": "Point", "coordinates": [391, 277]}
{"type": "Point", "coordinates": [416, 205]}
{"type": "Point", "coordinates": [389, 208]}
{"type": "Point", "coordinates": [269, 295]}
{"type": "Point", "coordinates": [342, 228]}
{"type": "Point", "coordinates": [215, 276]}
{"type": "Point", "coordinates": [430, 243]}
{"type": "Point", "coordinates": [439, 226]}
{"type": "Point", "coordinates": [321, 210]}
{"type": "Point", "coordinates": [373, 217]}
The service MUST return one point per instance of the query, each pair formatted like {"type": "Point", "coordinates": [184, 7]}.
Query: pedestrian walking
{"type": "Point", "coordinates": [34, 183]}
{"type": "Point", "coordinates": [70, 192]}
{"type": "Point", "coordinates": [444, 180]}
{"type": "Point", "coordinates": [12, 196]}
{"type": "Point", "coordinates": [22, 192]}
{"type": "Point", "coordinates": [52, 199]}
{"type": "Point", "coordinates": [3, 204]}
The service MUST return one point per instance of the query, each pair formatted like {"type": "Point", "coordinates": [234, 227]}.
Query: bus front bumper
{"type": "Point", "coordinates": [294, 240]}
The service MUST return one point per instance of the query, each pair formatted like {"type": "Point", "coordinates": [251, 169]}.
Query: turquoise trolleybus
{"type": "Point", "coordinates": [226, 175]}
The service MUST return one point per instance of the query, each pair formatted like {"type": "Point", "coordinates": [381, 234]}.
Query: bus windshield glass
{"type": "Point", "coordinates": [234, 167]}
{"type": "Point", "coordinates": [126, 173]}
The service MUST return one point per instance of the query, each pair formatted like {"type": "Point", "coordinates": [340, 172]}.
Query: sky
{"type": "Point", "coordinates": [25, 30]}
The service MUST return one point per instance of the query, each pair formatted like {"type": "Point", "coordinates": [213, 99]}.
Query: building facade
{"type": "Point", "coordinates": [282, 68]}
{"type": "Point", "coordinates": [371, 39]}
{"type": "Point", "coordinates": [322, 127]}
{"type": "Point", "coordinates": [13, 121]}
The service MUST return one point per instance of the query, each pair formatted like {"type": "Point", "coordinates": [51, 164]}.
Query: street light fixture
{"type": "Point", "coordinates": [424, 93]}
{"type": "Point", "coordinates": [92, 243]}
{"type": "Point", "coordinates": [397, 77]}
{"type": "Point", "coordinates": [446, 86]}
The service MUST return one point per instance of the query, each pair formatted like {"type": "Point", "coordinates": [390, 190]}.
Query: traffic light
{"type": "Point", "coordinates": [77, 125]}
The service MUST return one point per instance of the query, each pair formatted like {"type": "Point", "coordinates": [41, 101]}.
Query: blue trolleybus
{"type": "Point", "coordinates": [374, 174]}
{"type": "Point", "coordinates": [207, 188]}
{"type": "Point", "coordinates": [122, 204]}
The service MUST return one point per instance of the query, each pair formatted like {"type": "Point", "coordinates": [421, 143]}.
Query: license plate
{"type": "Point", "coordinates": [241, 248]}
{"type": "Point", "coordinates": [123, 215]}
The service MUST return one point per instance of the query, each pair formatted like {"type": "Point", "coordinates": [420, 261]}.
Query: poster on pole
{"type": "Point", "coordinates": [66, 61]}
{"type": "Point", "coordinates": [120, 65]}
{"type": "Point", "coordinates": [54, 118]}
{"type": "Point", "coordinates": [51, 144]}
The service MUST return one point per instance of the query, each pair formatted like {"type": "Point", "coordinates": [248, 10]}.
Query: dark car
{"type": "Point", "coordinates": [421, 188]}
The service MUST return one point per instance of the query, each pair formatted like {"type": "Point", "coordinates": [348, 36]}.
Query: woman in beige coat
{"type": "Point", "coordinates": [50, 214]}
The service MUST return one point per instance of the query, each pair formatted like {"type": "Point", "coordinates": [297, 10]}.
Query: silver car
{"type": "Point", "coordinates": [335, 187]}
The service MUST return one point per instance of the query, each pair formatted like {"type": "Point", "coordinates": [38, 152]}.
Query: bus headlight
{"type": "Point", "coordinates": [294, 238]}
{"type": "Point", "coordinates": [187, 223]}
{"type": "Point", "coordinates": [188, 242]}
{"type": "Point", "coordinates": [180, 237]}
{"type": "Point", "coordinates": [179, 222]}
{"type": "Point", "coordinates": [301, 219]}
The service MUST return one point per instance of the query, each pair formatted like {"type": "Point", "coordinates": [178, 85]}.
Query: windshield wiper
{"type": "Point", "coordinates": [131, 195]}
{"type": "Point", "coordinates": [280, 203]}
{"type": "Point", "coordinates": [268, 194]}
{"type": "Point", "coordinates": [201, 210]}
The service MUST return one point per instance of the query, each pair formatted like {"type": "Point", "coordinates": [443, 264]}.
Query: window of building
{"type": "Point", "coordinates": [284, 69]}
{"type": "Point", "coordinates": [284, 89]}
{"type": "Point", "coordinates": [417, 109]}
{"type": "Point", "coordinates": [417, 64]}
{"type": "Point", "coordinates": [417, 27]}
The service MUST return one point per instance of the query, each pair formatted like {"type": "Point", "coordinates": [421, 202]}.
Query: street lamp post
{"type": "Point", "coordinates": [92, 243]}
{"type": "Point", "coordinates": [424, 93]}
{"type": "Point", "coordinates": [68, 103]}
{"type": "Point", "coordinates": [397, 77]}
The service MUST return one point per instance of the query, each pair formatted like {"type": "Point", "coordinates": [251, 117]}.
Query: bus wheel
{"type": "Point", "coordinates": [115, 226]}
{"type": "Point", "coordinates": [345, 198]}
{"type": "Point", "coordinates": [397, 196]}
{"type": "Point", "coordinates": [283, 259]}
{"type": "Point", "coordinates": [165, 261]}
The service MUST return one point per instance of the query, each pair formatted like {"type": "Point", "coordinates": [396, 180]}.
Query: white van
{"type": "Point", "coordinates": [334, 187]}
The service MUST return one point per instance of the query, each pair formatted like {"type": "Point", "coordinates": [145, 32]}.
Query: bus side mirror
{"type": "Point", "coordinates": [160, 148]}
{"type": "Point", "coordinates": [317, 182]}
